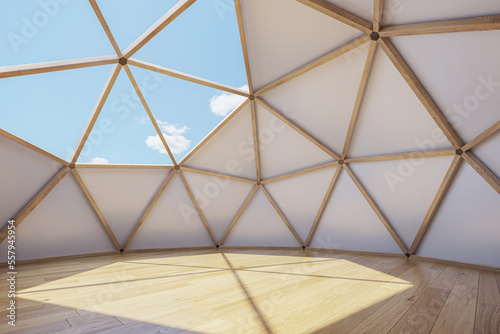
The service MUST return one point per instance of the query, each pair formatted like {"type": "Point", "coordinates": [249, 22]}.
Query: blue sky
{"type": "Point", "coordinates": [50, 110]}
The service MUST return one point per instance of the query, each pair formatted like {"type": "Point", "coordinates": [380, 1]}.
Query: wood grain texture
{"type": "Point", "coordinates": [225, 176]}
{"type": "Point", "coordinates": [488, 305]}
{"type": "Point", "coordinates": [440, 27]}
{"type": "Point", "coordinates": [399, 156]}
{"type": "Point", "coordinates": [105, 27]}
{"type": "Point", "coordinates": [241, 30]}
{"type": "Point", "coordinates": [378, 10]}
{"type": "Point", "coordinates": [481, 137]}
{"type": "Point", "coordinates": [299, 172]}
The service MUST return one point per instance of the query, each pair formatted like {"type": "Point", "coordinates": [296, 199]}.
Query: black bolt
{"type": "Point", "coordinates": [408, 255]}
{"type": "Point", "coordinates": [459, 151]}
{"type": "Point", "coordinates": [251, 97]}
{"type": "Point", "coordinates": [303, 247]}
{"type": "Point", "coordinates": [341, 161]}
{"type": "Point", "coordinates": [123, 61]}
{"type": "Point", "coordinates": [121, 250]}
{"type": "Point", "coordinates": [177, 167]}
{"type": "Point", "coordinates": [374, 36]}
{"type": "Point", "coordinates": [216, 246]}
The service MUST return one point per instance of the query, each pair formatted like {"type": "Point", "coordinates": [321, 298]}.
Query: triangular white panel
{"type": "Point", "coordinates": [173, 222]}
{"type": "Point", "coordinates": [284, 35]}
{"type": "Point", "coordinates": [404, 189]}
{"type": "Point", "coordinates": [260, 225]}
{"type": "Point", "coordinates": [64, 223]}
{"type": "Point", "coordinates": [122, 195]}
{"type": "Point", "coordinates": [360, 8]}
{"type": "Point", "coordinates": [219, 199]}
{"type": "Point", "coordinates": [300, 197]}
{"type": "Point", "coordinates": [349, 222]}
{"type": "Point", "coordinates": [408, 11]}
{"type": "Point", "coordinates": [321, 101]}
{"type": "Point", "coordinates": [391, 118]}
{"type": "Point", "coordinates": [466, 227]}
{"type": "Point", "coordinates": [231, 149]}
{"type": "Point", "coordinates": [282, 149]}
{"type": "Point", "coordinates": [23, 173]}
{"type": "Point", "coordinates": [461, 72]}
{"type": "Point", "coordinates": [489, 151]}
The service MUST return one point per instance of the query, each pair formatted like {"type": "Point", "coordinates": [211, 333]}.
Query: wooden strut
{"type": "Point", "coordinates": [184, 76]}
{"type": "Point", "coordinates": [280, 213]}
{"type": "Point", "coordinates": [105, 27]}
{"type": "Point", "coordinates": [103, 221]}
{"type": "Point", "coordinates": [339, 14]}
{"type": "Point", "coordinates": [482, 170]}
{"type": "Point", "coordinates": [359, 97]}
{"type": "Point", "coordinates": [150, 114]}
{"type": "Point", "coordinates": [448, 178]}
{"type": "Point", "coordinates": [299, 172]}
{"type": "Point", "coordinates": [165, 20]}
{"type": "Point", "coordinates": [238, 214]}
{"type": "Point", "coordinates": [32, 147]}
{"type": "Point", "coordinates": [315, 63]}
{"type": "Point", "coordinates": [32, 204]}
{"type": "Point", "coordinates": [481, 137]}
{"type": "Point", "coordinates": [297, 128]}
{"type": "Point", "coordinates": [399, 156]}
{"type": "Point", "coordinates": [241, 30]}
{"type": "Point", "coordinates": [378, 10]}
{"type": "Point", "coordinates": [200, 213]}
{"type": "Point", "coordinates": [322, 206]}
{"type": "Point", "coordinates": [225, 176]}
{"type": "Point", "coordinates": [149, 208]}
{"type": "Point", "coordinates": [255, 140]}
{"type": "Point", "coordinates": [95, 113]}
{"type": "Point", "coordinates": [377, 210]}
{"type": "Point", "coordinates": [54, 66]}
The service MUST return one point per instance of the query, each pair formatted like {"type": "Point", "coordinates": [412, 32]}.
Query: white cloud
{"type": "Point", "coordinates": [141, 120]}
{"type": "Point", "coordinates": [224, 103]}
{"type": "Point", "coordinates": [99, 161]}
{"type": "Point", "coordinates": [173, 134]}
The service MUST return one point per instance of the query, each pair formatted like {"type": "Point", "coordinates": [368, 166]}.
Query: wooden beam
{"type": "Point", "coordinates": [213, 132]}
{"type": "Point", "coordinates": [315, 63]}
{"type": "Point", "coordinates": [420, 92]}
{"type": "Point", "coordinates": [359, 97]}
{"type": "Point", "coordinates": [238, 214]}
{"type": "Point", "coordinates": [399, 156]}
{"type": "Point", "coordinates": [297, 128]}
{"type": "Point", "coordinates": [480, 23]}
{"type": "Point", "coordinates": [339, 14]}
{"type": "Point", "coordinates": [105, 27]}
{"type": "Point", "coordinates": [298, 172]}
{"type": "Point", "coordinates": [241, 29]}
{"type": "Point", "coordinates": [484, 171]}
{"type": "Point", "coordinates": [184, 76]}
{"type": "Point", "coordinates": [124, 166]}
{"type": "Point", "coordinates": [32, 147]}
{"type": "Point", "coordinates": [322, 206]}
{"type": "Point", "coordinates": [484, 135]}
{"type": "Point", "coordinates": [225, 176]}
{"type": "Point", "coordinates": [32, 204]}
{"type": "Point", "coordinates": [54, 66]}
{"type": "Point", "coordinates": [165, 20]}
{"type": "Point", "coordinates": [255, 140]}
{"type": "Point", "coordinates": [150, 114]}
{"type": "Point", "coordinates": [149, 208]}
{"type": "Point", "coordinates": [103, 221]}
{"type": "Point", "coordinates": [197, 206]}
{"type": "Point", "coordinates": [95, 113]}
{"type": "Point", "coordinates": [377, 210]}
{"type": "Point", "coordinates": [280, 213]}
{"type": "Point", "coordinates": [448, 178]}
{"type": "Point", "coordinates": [378, 10]}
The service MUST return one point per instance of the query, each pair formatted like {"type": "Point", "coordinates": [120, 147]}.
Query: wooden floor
{"type": "Point", "coordinates": [252, 291]}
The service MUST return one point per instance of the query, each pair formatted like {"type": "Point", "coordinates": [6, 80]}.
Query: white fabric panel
{"type": "Point", "coordinates": [360, 8]}
{"type": "Point", "coordinates": [260, 225]}
{"type": "Point", "coordinates": [219, 199]}
{"type": "Point", "coordinates": [410, 11]}
{"type": "Point", "coordinates": [64, 223]}
{"type": "Point", "coordinates": [122, 195]}
{"type": "Point", "coordinates": [489, 152]}
{"type": "Point", "coordinates": [466, 227]}
{"type": "Point", "coordinates": [231, 149]}
{"type": "Point", "coordinates": [321, 101]}
{"type": "Point", "coordinates": [349, 222]}
{"type": "Point", "coordinates": [300, 197]}
{"type": "Point", "coordinates": [404, 189]}
{"type": "Point", "coordinates": [23, 173]}
{"type": "Point", "coordinates": [282, 149]}
{"type": "Point", "coordinates": [392, 119]}
{"type": "Point", "coordinates": [461, 72]}
{"type": "Point", "coordinates": [173, 222]}
{"type": "Point", "coordinates": [284, 35]}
